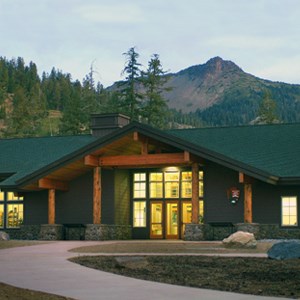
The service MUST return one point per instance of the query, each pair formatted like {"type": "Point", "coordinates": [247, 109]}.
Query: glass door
{"type": "Point", "coordinates": [156, 226]}
{"type": "Point", "coordinates": [186, 211]}
{"type": "Point", "coordinates": [172, 220]}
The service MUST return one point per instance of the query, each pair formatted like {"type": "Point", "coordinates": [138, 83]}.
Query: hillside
{"type": "Point", "coordinates": [221, 93]}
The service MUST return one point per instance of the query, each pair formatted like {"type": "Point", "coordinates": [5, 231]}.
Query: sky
{"type": "Point", "coordinates": [260, 36]}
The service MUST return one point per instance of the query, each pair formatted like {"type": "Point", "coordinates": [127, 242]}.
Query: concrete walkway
{"type": "Point", "coordinates": [45, 268]}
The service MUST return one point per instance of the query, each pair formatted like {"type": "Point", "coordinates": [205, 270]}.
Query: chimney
{"type": "Point", "coordinates": [103, 124]}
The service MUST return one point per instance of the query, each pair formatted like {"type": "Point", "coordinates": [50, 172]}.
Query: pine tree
{"type": "Point", "coordinates": [130, 96]}
{"type": "Point", "coordinates": [155, 108]}
{"type": "Point", "coordinates": [267, 113]}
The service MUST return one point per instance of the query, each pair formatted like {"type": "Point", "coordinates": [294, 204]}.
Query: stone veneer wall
{"type": "Point", "coordinates": [200, 232]}
{"type": "Point", "coordinates": [95, 232]}
{"type": "Point", "coordinates": [51, 232]}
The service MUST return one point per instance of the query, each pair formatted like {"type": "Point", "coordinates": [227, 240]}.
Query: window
{"type": "Point", "coordinates": [11, 210]}
{"type": "Point", "coordinates": [1, 215]}
{"type": "Point", "coordinates": [201, 212]}
{"type": "Point", "coordinates": [139, 214]}
{"type": "Point", "coordinates": [289, 216]}
{"type": "Point", "coordinates": [14, 215]}
{"type": "Point", "coordinates": [172, 184]}
{"type": "Point", "coordinates": [139, 185]}
{"type": "Point", "coordinates": [186, 184]}
{"type": "Point", "coordinates": [201, 189]}
{"type": "Point", "coordinates": [156, 185]}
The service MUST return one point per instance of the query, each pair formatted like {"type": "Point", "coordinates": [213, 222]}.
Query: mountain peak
{"type": "Point", "coordinates": [213, 67]}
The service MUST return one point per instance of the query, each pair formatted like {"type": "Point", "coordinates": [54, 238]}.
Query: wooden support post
{"type": "Point", "coordinates": [97, 196]}
{"type": "Point", "coordinates": [248, 203]}
{"type": "Point", "coordinates": [195, 193]}
{"type": "Point", "coordinates": [51, 206]}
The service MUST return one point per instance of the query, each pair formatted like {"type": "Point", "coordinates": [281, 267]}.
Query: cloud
{"type": "Point", "coordinates": [285, 70]}
{"type": "Point", "coordinates": [115, 13]}
{"type": "Point", "coordinates": [246, 42]}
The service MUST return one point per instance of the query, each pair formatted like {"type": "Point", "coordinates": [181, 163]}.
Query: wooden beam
{"type": "Point", "coordinates": [46, 183]}
{"type": "Point", "coordinates": [51, 206]}
{"type": "Point", "coordinates": [195, 193]}
{"type": "Point", "coordinates": [143, 160]}
{"type": "Point", "coordinates": [243, 178]}
{"type": "Point", "coordinates": [97, 196]}
{"type": "Point", "coordinates": [248, 203]}
{"type": "Point", "coordinates": [91, 161]}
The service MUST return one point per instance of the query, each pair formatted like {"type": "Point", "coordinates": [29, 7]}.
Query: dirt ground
{"type": "Point", "coordinates": [13, 293]}
{"type": "Point", "coordinates": [257, 276]}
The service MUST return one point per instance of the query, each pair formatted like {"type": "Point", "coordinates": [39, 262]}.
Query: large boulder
{"type": "Point", "coordinates": [4, 236]}
{"type": "Point", "coordinates": [285, 250]}
{"type": "Point", "coordinates": [240, 239]}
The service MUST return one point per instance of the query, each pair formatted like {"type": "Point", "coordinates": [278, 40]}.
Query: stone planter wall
{"type": "Point", "coordinates": [100, 232]}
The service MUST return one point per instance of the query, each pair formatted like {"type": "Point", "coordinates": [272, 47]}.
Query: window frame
{"type": "Point", "coordinates": [289, 215]}
{"type": "Point", "coordinates": [9, 202]}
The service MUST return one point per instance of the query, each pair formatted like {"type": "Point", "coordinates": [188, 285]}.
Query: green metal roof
{"type": "Point", "coordinates": [267, 152]}
{"type": "Point", "coordinates": [273, 149]}
{"type": "Point", "coordinates": [23, 156]}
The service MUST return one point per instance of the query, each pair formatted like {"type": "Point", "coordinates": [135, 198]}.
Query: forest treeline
{"type": "Point", "coordinates": [54, 104]}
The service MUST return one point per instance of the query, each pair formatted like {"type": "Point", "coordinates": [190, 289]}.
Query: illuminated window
{"type": "Point", "coordinates": [1, 196]}
{"type": "Point", "coordinates": [1, 215]}
{"type": "Point", "coordinates": [156, 185]}
{"type": "Point", "coordinates": [13, 197]}
{"type": "Point", "coordinates": [139, 185]}
{"type": "Point", "coordinates": [11, 210]}
{"type": "Point", "coordinates": [201, 211]}
{"type": "Point", "coordinates": [289, 216]}
{"type": "Point", "coordinates": [201, 188]}
{"type": "Point", "coordinates": [172, 184]}
{"type": "Point", "coordinates": [186, 184]}
{"type": "Point", "coordinates": [14, 215]}
{"type": "Point", "coordinates": [139, 214]}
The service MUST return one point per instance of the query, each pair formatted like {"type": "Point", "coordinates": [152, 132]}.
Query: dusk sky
{"type": "Point", "coordinates": [260, 36]}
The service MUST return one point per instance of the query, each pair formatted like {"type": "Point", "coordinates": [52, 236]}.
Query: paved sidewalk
{"type": "Point", "coordinates": [45, 268]}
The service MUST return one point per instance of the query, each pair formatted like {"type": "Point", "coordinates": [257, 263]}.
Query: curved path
{"type": "Point", "coordinates": [45, 267]}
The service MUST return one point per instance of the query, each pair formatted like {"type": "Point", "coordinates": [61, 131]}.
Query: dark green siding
{"type": "Point", "coordinates": [108, 195]}
{"type": "Point", "coordinates": [122, 197]}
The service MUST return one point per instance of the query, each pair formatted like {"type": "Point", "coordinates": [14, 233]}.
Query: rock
{"type": "Point", "coordinates": [4, 236]}
{"type": "Point", "coordinates": [285, 250]}
{"type": "Point", "coordinates": [240, 239]}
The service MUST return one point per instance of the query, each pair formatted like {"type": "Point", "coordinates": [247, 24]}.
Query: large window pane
{"type": "Point", "coordinates": [172, 189]}
{"type": "Point", "coordinates": [172, 184]}
{"type": "Point", "coordinates": [289, 211]}
{"type": "Point", "coordinates": [139, 185]}
{"type": "Point", "coordinates": [1, 196]}
{"type": "Point", "coordinates": [12, 197]}
{"type": "Point", "coordinates": [156, 185]}
{"type": "Point", "coordinates": [186, 184]}
{"type": "Point", "coordinates": [1, 215]}
{"type": "Point", "coordinates": [139, 214]}
{"type": "Point", "coordinates": [14, 215]}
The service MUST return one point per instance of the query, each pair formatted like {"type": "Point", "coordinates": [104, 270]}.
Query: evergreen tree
{"type": "Point", "coordinates": [267, 112]}
{"type": "Point", "coordinates": [155, 108]}
{"type": "Point", "coordinates": [130, 96]}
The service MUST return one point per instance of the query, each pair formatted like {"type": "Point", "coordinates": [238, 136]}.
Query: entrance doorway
{"type": "Point", "coordinates": [165, 220]}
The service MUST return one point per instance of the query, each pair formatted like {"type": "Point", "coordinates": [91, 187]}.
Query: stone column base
{"type": "Point", "coordinates": [101, 232]}
{"type": "Point", "coordinates": [53, 232]}
{"type": "Point", "coordinates": [194, 232]}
